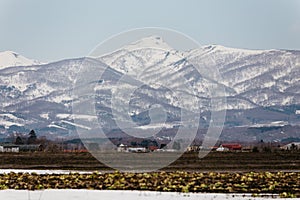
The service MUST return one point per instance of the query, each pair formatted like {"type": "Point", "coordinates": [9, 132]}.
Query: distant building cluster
{"type": "Point", "coordinates": [237, 147]}
{"type": "Point", "coordinates": [23, 144]}
{"type": "Point", "coordinates": [30, 143]}
{"type": "Point", "coordinates": [125, 148]}
{"type": "Point", "coordinates": [222, 147]}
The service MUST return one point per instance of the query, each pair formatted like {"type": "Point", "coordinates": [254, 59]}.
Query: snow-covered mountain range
{"type": "Point", "coordinates": [262, 87]}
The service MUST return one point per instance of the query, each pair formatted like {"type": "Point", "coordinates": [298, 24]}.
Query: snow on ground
{"type": "Point", "coordinates": [155, 126]}
{"type": "Point", "coordinates": [77, 125]}
{"type": "Point", "coordinates": [8, 115]}
{"type": "Point", "coordinates": [73, 116]}
{"type": "Point", "coordinates": [115, 194]}
{"type": "Point", "coordinates": [56, 126]}
{"type": "Point", "coordinates": [83, 194]}
{"type": "Point", "coordinates": [44, 115]}
{"type": "Point", "coordinates": [8, 124]}
{"type": "Point", "coordinates": [2, 171]}
{"type": "Point", "coordinates": [275, 123]}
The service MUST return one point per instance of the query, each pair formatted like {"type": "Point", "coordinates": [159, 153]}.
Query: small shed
{"type": "Point", "coordinates": [122, 148]}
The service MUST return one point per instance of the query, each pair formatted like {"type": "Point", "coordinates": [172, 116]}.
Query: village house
{"type": "Point", "coordinates": [9, 148]}
{"type": "Point", "coordinates": [137, 149]}
{"type": "Point", "coordinates": [122, 148]}
{"type": "Point", "coordinates": [20, 148]}
{"type": "Point", "coordinates": [227, 147]}
{"type": "Point", "coordinates": [193, 148]}
{"type": "Point", "coordinates": [221, 148]}
{"type": "Point", "coordinates": [232, 146]}
{"type": "Point", "coordinates": [152, 148]}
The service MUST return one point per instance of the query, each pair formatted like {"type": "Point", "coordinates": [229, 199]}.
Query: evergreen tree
{"type": "Point", "coordinates": [19, 140]}
{"type": "Point", "coordinates": [32, 137]}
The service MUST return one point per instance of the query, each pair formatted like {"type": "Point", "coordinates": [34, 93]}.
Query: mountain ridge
{"type": "Point", "coordinates": [257, 82]}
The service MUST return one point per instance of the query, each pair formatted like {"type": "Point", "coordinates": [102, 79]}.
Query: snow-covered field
{"type": "Point", "coordinates": [83, 194]}
{"type": "Point", "coordinates": [115, 194]}
{"type": "Point", "coordinates": [2, 171]}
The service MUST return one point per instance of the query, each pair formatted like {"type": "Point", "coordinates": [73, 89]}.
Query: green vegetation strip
{"type": "Point", "coordinates": [286, 184]}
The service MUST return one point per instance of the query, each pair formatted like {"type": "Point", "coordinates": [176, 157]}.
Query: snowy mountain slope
{"type": "Point", "coordinates": [265, 77]}
{"type": "Point", "coordinates": [134, 58]}
{"type": "Point", "coordinates": [256, 83]}
{"type": "Point", "coordinates": [38, 93]}
{"type": "Point", "coordinates": [10, 59]}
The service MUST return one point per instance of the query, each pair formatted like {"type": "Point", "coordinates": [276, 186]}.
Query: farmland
{"type": "Point", "coordinates": [220, 172]}
{"type": "Point", "coordinates": [214, 161]}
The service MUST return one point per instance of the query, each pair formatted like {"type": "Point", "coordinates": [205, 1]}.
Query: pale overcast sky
{"type": "Point", "coordinates": [57, 29]}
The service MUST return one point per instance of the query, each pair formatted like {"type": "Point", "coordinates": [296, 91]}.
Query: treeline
{"type": "Point", "coordinates": [30, 139]}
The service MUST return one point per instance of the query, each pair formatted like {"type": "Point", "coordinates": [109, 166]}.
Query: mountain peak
{"type": "Point", "coordinates": [11, 59]}
{"type": "Point", "coordinates": [9, 54]}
